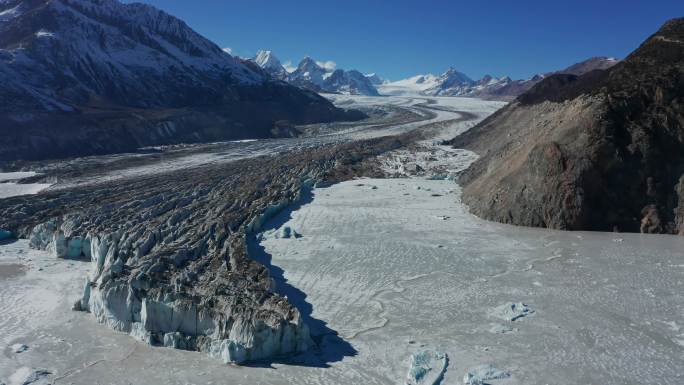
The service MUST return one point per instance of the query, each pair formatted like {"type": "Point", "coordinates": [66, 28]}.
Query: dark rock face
{"type": "Point", "coordinates": [169, 252]}
{"type": "Point", "coordinates": [601, 151]}
{"type": "Point", "coordinates": [94, 76]}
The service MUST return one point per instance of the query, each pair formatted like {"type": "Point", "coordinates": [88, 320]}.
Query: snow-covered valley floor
{"type": "Point", "coordinates": [9, 186]}
{"type": "Point", "coordinates": [383, 269]}
{"type": "Point", "coordinates": [397, 266]}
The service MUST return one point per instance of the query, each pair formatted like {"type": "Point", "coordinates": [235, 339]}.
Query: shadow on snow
{"type": "Point", "coordinates": [329, 346]}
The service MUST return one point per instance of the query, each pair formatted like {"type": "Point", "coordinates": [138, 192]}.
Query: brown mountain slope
{"type": "Point", "coordinates": [602, 151]}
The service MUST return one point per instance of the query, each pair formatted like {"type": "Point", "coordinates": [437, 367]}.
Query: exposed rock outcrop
{"type": "Point", "coordinates": [602, 151]}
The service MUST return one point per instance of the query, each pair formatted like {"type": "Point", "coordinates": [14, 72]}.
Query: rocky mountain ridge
{"type": "Point", "coordinates": [600, 151]}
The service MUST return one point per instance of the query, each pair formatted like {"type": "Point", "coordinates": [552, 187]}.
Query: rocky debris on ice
{"type": "Point", "coordinates": [29, 376]}
{"type": "Point", "coordinates": [168, 252]}
{"type": "Point", "coordinates": [512, 311]}
{"type": "Point", "coordinates": [479, 375]}
{"type": "Point", "coordinates": [433, 162]}
{"type": "Point", "coordinates": [19, 348]}
{"type": "Point", "coordinates": [427, 367]}
{"type": "Point", "coordinates": [413, 168]}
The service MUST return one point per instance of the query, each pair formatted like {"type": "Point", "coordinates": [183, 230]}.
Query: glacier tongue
{"type": "Point", "coordinates": [127, 290]}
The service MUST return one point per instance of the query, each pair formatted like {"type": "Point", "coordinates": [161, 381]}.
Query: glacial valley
{"type": "Point", "coordinates": [396, 281]}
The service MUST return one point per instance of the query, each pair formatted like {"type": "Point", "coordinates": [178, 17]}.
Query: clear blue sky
{"type": "Point", "coordinates": [401, 38]}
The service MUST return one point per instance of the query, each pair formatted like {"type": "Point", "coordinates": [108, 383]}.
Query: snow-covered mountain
{"type": "Point", "coordinates": [450, 83]}
{"type": "Point", "coordinates": [84, 76]}
{"type": "Point", "coordinates": [270, 63]}
{"type": "Point", "coordinates": [375, 79]}
{"type": "Point", "coordinates": [310, 75]}
{"type": "Point", "coordinates": [349, 82]}
{"type": "Point", "coordinates": [454, 83]}
{"type": "Point", "coordinates": [415, 85]}
{"type": "Point", "coordinates": [62, 53]}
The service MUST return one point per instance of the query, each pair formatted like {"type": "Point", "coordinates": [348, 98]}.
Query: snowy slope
{"type": "Point", "coordinates": [415, 85]}
{"type": "Point", "coordinates": [450, 83]}
{"type": "Point", "coordinates": [100, 76]}
{"type": "Point", "coordinates": [117, 53]}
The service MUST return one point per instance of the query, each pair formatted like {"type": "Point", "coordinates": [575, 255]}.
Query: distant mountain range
{"type": "Point", "coordinates": [315, 77]}
{"type": "Point", "coordinates": [455, 83]}
{"type": "Point", "coordinates": [310, 75]}
{"type": "Point", "coordinates": [96, 76]}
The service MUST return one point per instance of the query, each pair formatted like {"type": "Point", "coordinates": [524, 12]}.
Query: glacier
{"type": "Point", "coordinates": [134, 303]}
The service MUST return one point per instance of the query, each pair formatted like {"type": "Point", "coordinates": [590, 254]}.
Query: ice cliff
{"type": "Point", "coordinates": [165, 301]}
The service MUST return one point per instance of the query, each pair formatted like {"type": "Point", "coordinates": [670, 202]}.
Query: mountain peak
{"type": "Point", "coordinates": [270, 63]}
{"type": "Point", "coordinates": [453, 79]}
{"type": "Point", "coordinates": [266, 58]}
{"type": "Point", "coordinates": [308, 61]}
